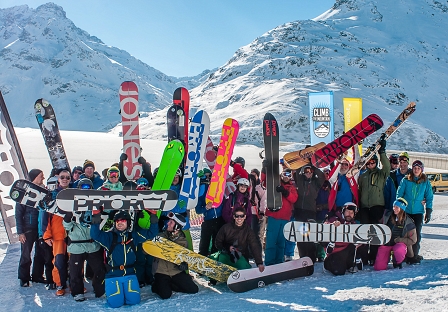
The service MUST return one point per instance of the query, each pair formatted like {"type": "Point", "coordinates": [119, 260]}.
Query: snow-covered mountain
{"type": "Point", "coordinates": [43, 54]}
{"type": "Point", "coordinates": [387, 52]}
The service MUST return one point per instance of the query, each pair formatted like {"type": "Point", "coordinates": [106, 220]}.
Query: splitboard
{"type": "Point", "coordinates": [245, 280]}
{"type": "Point", "coordinates": [271, 148]}
{"type": "Point", "coordinates": [373, 234]}
{"type": "Point", "coordinates": [165, 249]}
{"type": "Point", "coordinates": [296, 160]}
{"type": "Point", "coordinates": [88, 200]}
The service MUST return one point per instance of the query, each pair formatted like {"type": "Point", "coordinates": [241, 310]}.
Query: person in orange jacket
{"type": "Point", "coordinates": [55, 234]}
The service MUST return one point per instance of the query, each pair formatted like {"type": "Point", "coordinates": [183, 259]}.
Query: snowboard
{"type": "Point", "coordinates": [373, 234]}
{"type": "Point", "coordinates": [88, 200]}
{"type": "Point", "coordinates": [298, 159]}
{"type": "Point", "coordinates": [370, 151]}
{"type": "Point", "coordinates": [129, 186]}
{"type": "Point", "coordinates": [181, 97]}
{"type": "Point", "coordinates": [271, 150]}
{"type": "Point", "coordinates": [48, 125]}
{"type": "Point", "coordinates": [176, 123]}
{"type": "Point", "coordinates": [171, 160]}
{"type": "Point", "coordinates": [249, 279]}
{"type": "Point", "coordinates": [165, 249]}
{"type": "Point", "coordinates": [198, 132]}
{"type": "Point", "coordinates": [29, 194]}
{"type": "Point", "coordinates": [131, 137]}
{"type": "Point", "coordinates": [220, 172]}
{"type": "Point", "coordinates": [330, 152]}
{"type": "Point", "coordinates": [210, 159]}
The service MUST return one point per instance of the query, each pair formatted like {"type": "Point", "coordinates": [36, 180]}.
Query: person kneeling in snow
{"type": "Point", "coordinates": [121, 283]}
{"type": "Point", "coordinates": [169, 276]}
{"type": "Point", "coordinates": [404, 235]}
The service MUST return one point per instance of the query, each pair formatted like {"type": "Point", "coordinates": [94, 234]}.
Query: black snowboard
{"type": "Point", "coordinates": [26, 193]}
{"type": "Point", "coordinates": [271, 150]}
{"type": "Point", "coordinates": [48, 125]}
{"type": "Point", "coordinates": [176, 123]}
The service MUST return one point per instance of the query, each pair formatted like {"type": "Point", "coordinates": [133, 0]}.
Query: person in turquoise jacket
{"type": "Point", "coordinates": [416, 189]}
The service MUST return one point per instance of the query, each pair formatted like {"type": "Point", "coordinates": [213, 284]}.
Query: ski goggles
{"type": "Point", "coordinates": [114, 174]}
{"type": "Point", "coordinates": [120, 220]}
{"type": "Point", "coordinates": [282, 161]}
{"type": "Point", "coordinates": [173, 216]}
{"type": "Point", "coordinates": [86, 186]}
{"type": "Point", "coordinates": [142, 182]}
{"type": "Point", "coordinates": [403, 158]}
{"type": "Point", "coordinates": [418, 163]}
{"type": "Point", "coordinates": [286, 174]}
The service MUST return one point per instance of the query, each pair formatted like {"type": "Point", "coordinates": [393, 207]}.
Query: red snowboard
{"type": "Point", "coordinates": [330, 152]}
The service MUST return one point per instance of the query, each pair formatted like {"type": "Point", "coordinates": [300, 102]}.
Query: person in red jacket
{"type": "Point", "coordinates": [238, 169]}
{"type": "Point", "coordinates": [275, 240]}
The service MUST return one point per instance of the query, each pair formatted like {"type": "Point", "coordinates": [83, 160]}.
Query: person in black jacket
{"type": "Point", "coordinates": [27, 229]}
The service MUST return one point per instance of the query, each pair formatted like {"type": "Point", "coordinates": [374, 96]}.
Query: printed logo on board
{"type": "Point", "coordinates": [321, 120]}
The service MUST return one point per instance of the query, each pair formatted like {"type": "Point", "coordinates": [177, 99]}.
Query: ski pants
{"type": "Point", "coordinates": [60, 263]}
{"type": "Point", "coordinates": [47, 252]}
{"type": "Point", "coordinates": [306, 249]}
{"type": "Point", "coordinates": [122, 290]}
{"type": "Point", "coordinates": [383, 255]}
{"type": "Point", "coordinates": [209, 230]}
{"type": "Point", "coordinates": [239, 264]}
{"type": "Point", "coordinates": [275, 241]}
{"type": "Point", "coordinates": [164, 285]}
{"type": "Point", "coordinates": [418, 220]}
{"type": "Point", "coordinates": [290, 246]}
{"type": "Point", "coordinates": [25, 257]}
{"type": "Point", "coordinates": [340, 261]}
{"type": "Point", "coordinates": [372, 215]}
{"type": "Point", "coordinates": [143, 266]}
{"type": "Point", "coordinates": [76, 264]}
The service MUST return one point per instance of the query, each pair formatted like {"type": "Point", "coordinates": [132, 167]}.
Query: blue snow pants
{"type": "Point", "coordinates": [275, 241]}
{"type": "Point", "coordinates": [122, 290]}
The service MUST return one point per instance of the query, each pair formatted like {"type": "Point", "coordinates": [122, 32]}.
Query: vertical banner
{"type": "Point", "coordinates": [352, 114]}
{"type": "Point", "coordinates": [12, 167]}
{"type": "Point", "coordinates": [321, 117]}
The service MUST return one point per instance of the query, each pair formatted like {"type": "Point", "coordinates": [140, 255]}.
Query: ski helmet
{"type": "Point", "coordinates": [350, 206]}
{"type": "Point", "coordinates": [394, 158]}
{"type": "Point", "coordinates": [256, 171]}
{"type": "Point", "coordinates": [243, 181]}
{"type": "Point", "coordinates": [85, 184]}
{"type": "Point", "coordinates": [179, 173]}
{"type": "Point", "coordinates": [240, 160]}
{"type": "Point", "coordinates": [143, 182]}
{"type": "Point", "coordinates": [154, 173]}
{"type": "Point", "coordinates": [179, 219]}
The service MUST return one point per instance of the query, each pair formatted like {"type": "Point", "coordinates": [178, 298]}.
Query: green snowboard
{"type": "Point", "coordinates": [171, 159]}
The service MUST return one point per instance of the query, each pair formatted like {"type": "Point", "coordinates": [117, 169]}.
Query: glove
{"type": "Point", "coordinates": [235, 256]}
{"type": "Point", "coordinates": [428, 215]}
{"type": "Point", "coordinates": [252, 202]}
{"type": "Point", "coordinates": [280, 188]}
{"type": "Point", "coordinates": [141, 160]}
{"type": "Point", "coordinates": [232, 163]}
{"type": "Point", "coordinates": [153, 218]}
{"type": "Point", "coordinates": [330, 248]}
{"type": "Point", "coordinates": [123, 157]}
{"type": "Point", "coordinates": [68, 216]}
{"type": "Point", "coordinates": [96, 218]}
{"type": "Point", "coordinates": [181, 203]}
{"type": "Point", "coordinates": [200, 174]}
{"type": "Point", "coordinates": [183, 266]}
{"type": "Point", "coordinates": [382, 146]}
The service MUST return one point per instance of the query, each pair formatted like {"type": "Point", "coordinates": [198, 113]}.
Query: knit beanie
{"type": "Point", "coordinates": [34, 173]}
{"type": "Point", "coordinates": [88, 163]}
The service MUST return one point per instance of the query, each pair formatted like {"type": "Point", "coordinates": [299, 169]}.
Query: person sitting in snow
{"type": "Point", "coordinates": [121, 283]}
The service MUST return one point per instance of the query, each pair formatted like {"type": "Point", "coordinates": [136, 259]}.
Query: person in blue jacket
{"type": "Point", "coordinates": [394, 179]}
{"type": "Point", "coordinates": [213, 220]}
{"type": "Point", "coordinates": [121, 282]}
{"type": "Point", "coordinates": [416, 189]}
{"type": "Point", "coordinates": [89, 172]}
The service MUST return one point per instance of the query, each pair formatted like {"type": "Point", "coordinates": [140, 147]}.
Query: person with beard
{"type": "Point", "coordinates": [340, 256]}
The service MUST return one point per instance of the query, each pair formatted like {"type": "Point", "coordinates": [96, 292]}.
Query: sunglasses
{"type": "Point", "coordinates": [344, 164]}
{"type": "Point", "coordinates": [308, 172]}
{"type": "Point", "coordinates": [77, 172]}
{"type": "Point", "coordinates": [371, 163]}
{"type": "Point", "coordinates": [113, 175]}
{"type": "Point", "coordinates": [239, 216]}
{"type": "Point", "coordinates": [64, 177]}
{"type": "Point", "coordinates": [85, 186]}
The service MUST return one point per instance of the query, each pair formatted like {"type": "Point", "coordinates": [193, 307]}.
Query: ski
{"type": "Point", "coordinates": [330, 152]}
{"type": "Point", "coordinates": [181, 97]}
{"type": "Point", "coordinates": [48, 125]}
{"type": "Point", "coordinates": [298, 159]}
{"type": "Point", "coordinates": [373, 149]}
{"type": "Point", "coordinates": [131, 136]}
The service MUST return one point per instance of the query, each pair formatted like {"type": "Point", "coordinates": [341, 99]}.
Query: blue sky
{"type": "Point", "coordinates": [182, 37]}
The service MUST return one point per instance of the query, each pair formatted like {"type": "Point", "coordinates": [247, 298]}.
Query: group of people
{"type": "Point", "coordinates": [235, 233]}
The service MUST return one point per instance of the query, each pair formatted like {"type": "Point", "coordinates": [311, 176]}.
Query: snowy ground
{"type": "Point", "coordinates": [419, 288]}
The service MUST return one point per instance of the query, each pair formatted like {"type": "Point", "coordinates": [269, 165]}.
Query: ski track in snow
{"type": "Point", "coordinates": [420, 288]}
